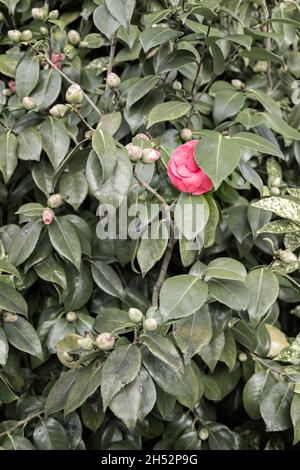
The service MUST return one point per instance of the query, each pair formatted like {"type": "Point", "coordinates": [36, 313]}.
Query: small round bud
{"type": "Point", "coordinates": [142, 136]}
{"type": "Point", "coordinates": [150, 324]}
{"type": "Point", "coordinates": [87, 344]}
{"type": "Point", "coordinates": [74, 37]}
{"type": "Point", "coordinates": [28, 103]}
{"type": "Point", "coordinates": [57, 59]}
{"type": "Point", "coordinates": [71, 317]}
{"type": "Point", "coordinates": [150, 155]}
{"type": "Point", "coordinates": [26, 35]}
{"type": "Point", "coordinates": [53, 15]}
{"type": "Point", "coordinates": [44, 31]}
{"type": "Point", "coordinates": [14, 35]}
{"type": "Point", "coordinates": [7, 92]}
{"type": "Point", "coordinates": [10, 317]}
{"type": "Point", "coordinates": [2, 17]}
{"type": "Point", "coordinates": [69, 51]}
{"type": "Point", "coordinates": [238, 84]}
{"type": "Point", "coordinates": [113, 81]}
{"type": "Point", "coordinates": [287, 257]}
{"type": "Point", "coordinates": [203, 434]}
{"type": "Point", "coordinates": [274, 191]}
{"type": "Point", "coordinates": [67, 357]}
{"type": "Point", "coordinates": [176, 85]}
{"type": "Point", "coordinates": [55, 200]}
{"type": "Point", "coordinates": [58, 110]}
{"type": "Point", "coordinates": [275, 181]}
{"type": "Point", "coordinates": [12, 85]}
{"type": "Point", "coordinates": [261, 66]}
{"type": "Point", "coordinates": [186, 135]}
{"type": "Point", "coordinates": [135, 152]}
{"type": "Point", "coordinates": [74, 94]}
{"type": "Point", "coordinates": [105, 341]}
{"type": "Point", "coordinates": [242, 357]}
{"type": "Point", "coordinates": [48, 216]}
{"type": "Point", "coordinates": [135, 315]}
{"type": "Point", "coordinates": [38, 14]}
{"type": "Point", "coordinates": [88, 134]}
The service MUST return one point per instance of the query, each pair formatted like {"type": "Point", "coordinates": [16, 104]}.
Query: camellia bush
{"type": "Point", "coordinates": [149, 224]}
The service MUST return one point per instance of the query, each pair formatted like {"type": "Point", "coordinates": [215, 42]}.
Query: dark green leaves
{"type": "Point", "coordinates": [275, 407]}
{"type": "Point", "coordinates": [23, 336]}
{"type": "Point", "coordinates": [168, 112]}
{"type": "Point", "coordinates": [27, 74]}
{"type": "Point", "coordinates": [65, 240]}
{"type": "Point", "coordinates": [55, 140]}
{"type": "Point", "coordinates": [12, 300]}
{"type": "Point", "coordinates": [8, 155]}
{"type": "Point", "coordinates": [152, 37]}
{"type": "Point", "coordinates": [25, 242]}
{"type": "Point", "coordinates": [107, 279]}
{"type": "Point", "coordinates": [263, 289]}
{"type": "Point", "coordinates": [105, 148]}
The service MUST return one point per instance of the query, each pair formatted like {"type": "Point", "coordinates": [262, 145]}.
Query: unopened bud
{"type": "Point", "coordinates": [150, 155]}
{"type": "Point", "coordinates": [274, 181]}
{"type": "Point", "coordinates": [150, 324]}
{"type": "Point", "coordinates": [238, 84]}
{"type": "Point", "coordinates": [203, 434]}
{"type": "Point", "coordinates": [69, 51]}
{"type": "Point", "coordinates": [71, 317]}
{"type": "Point", "coordinates": [2, 17]}
{"type": "Point", "coordinates": [28, 103]}
{"type": "Point", "coordinates": [7, 92]}
{"type": "Point", "coordinates": [274, 191]}
{"type": "Point", "coordinates": [59, 110]}
{"type": "Point", "coordinates": [74, 94]}
{"type": "Point", "coordinates": [44, 31]}
{"type": "Point", "coordinates": [186, 135]}
{"type": "Point", "coordinates": [287, 257]}
{"type": "Point", "coordinates": [38, 14]}
{"type": "Point", "coordinates": [55, 200]}
{"type": "Point", "coordinates": [74, 37]}
{"type": "Point", "coordinates": [14, 35]}
{"type": "Point", "coordinates": [53, 15]}
{"type": "Point", "coordinates": [26, 35]}
{"type": "Point", "coordinates": [113, 81]}
{"type": "Point", "coordinates": [242, 357]}
{"type": "Point", "coordinates": [135, 315]}
{"type": "Point", "coordinates": [87, 344]}
{"type": "Point", "coordinates": [176, 85]}
{"type": "Point", "coordinates": [105, 341]}
{"type": "Point", "coordinates": [261, 66]}
{"type": "Point", "coordinates": [48, 216]}
{"type": "Point", "coordinates": [12, 85]}
{"type": "Point", "coordinates": [10, 317]}
{"type": "Point", "coordinates": [88, 134]}
{"type": "Point", "coordinates": [67, 357]}
{"type": "Point", "coordinates": [135, 152]}
{"type": "Point", "coordinates": [142, 136]}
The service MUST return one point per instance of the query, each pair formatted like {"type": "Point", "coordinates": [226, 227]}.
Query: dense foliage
{"type": "Point", "coordinates": [136, 342]}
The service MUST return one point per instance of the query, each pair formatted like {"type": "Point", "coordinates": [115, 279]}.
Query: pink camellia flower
{"type": "Point", "coordinates": [48, 216]}
{"type": "Point", "coordinates": [57, 59]}
{"type": "Point", "coordinates": [184, 172]}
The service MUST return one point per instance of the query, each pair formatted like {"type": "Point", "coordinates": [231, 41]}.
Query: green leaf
{"type": "Point", "coordinates": [226, 104]}
{"type": "Point", "coordinates": [8, 65]}
{"type": "Point", "coordinates": [193, 332]}
{"type": "Point", "coordinates": [241, 39]}
{"type": "Point", "coordinates": [152, 246]}
{"type": "Point", "coordinates": [226, 268]}
{"type": "Point", "coordinates": [107, 279]}
{"type": "Point", "coordinates": [141, 88]}
{"type": "Point", "coordinates": [218, 59]}
{"type": "Point", "coordinates": [9, 268]}
{"type": "Point", "coordinates": [163, 349]}
{"type": "Point", "coordinates": [275, 407]}
{"type": "Point", "coordinates": [275, 122]}
{"type": "Point", "coordinates": [217, 157]}
{"type": "Point", "coordinates": [104, 21]}
{"type": "Point", "coordinates": [279, 226]}
{"type": "Point", "coordinates": [29, 144]}
{"type": "Point", "coordinates": [191, 215]}
{"type": "Point", "coordinates": [58, 395]}
{"type": "Point", "coordinates": [3, 347]}
{"type": "Point", "coordinates": [263, 288]}
{"type": "Point", "coordinates": [182, 295]}
{"type": "Point", "coordinates": [23, 336]}
{"type": "Point", "coordinates": [121, 10]}
{"type": "Point", "coordinates": [175, 60]}
{"type": "Point", "coordinates": [112, 320]}
{"type": "Point", "coordinates": [86, 382]}
{"type": "Point", "coordinates": [152, 37]}
{"type": "Point", "coordinates": [42, 174]}
{"type": "Point", "coordinates": [55, 140]}
{"type": "Point", "coordinates": [11, 300]}
{"type": "Point", "coordinates": [24, 243]}
{"type": "Point", "coordinates": [49, 434]}
{"type": "Point", "coordinates": [105, 148]}
{"type": "Point", "coordinates": [52, 271]}
{"type": "Point", "coordinates": [120, 368]}
{"type": "Point", "coordinates": [168, 111]}
{"type": "Point", "coordinates": [281, 206]}
{"type": "Point", "coordinates": [74, 188]}
{"type": "Point", "coordinates": [27, 74]}
{"type": "Point", "coordinates": [47, 90]}
{"type": "Point", "coordinates": [65, 241]}
{"type": "Point", "coordinates": [234, 294]}
{"type": "Point", "coordinates": [211, 352]}
{"type": "Point", "coordinates": [80, 287]}
{"type": "Point", "coordinates": [6, 393]}
{"type": "Point", "coordinates": [259, 53]}
{"type": "Point", "coordinates": [254, 391]}
{"type": "Point", "coordinates": [8, 155]}
{"type": "Point", "coordinates": [257, 143]}
{"type": "Point", "coordinates": [295, 416]}
{"type": "Point", "coordinates": [193, 390]}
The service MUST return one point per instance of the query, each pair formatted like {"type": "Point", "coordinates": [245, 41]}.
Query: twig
{"type": "Point", "coordinates": [274, 369]}
{"type": "Point", "coordinates": [21, 423]}
{"type": "Point", "coordinates": [164, 268]}
{"type": "Point", "coordinates": [72, 83]}
{"type": "Point", "coordinates": [83, 120]}
{"type": "Point", "coordinates": [268, 44]}
{"type": "Point", "coordinates": [151, 190]}
{"type": "Point", "coordinates": [199, 68]}
{"type": "Point", "coordinates": [111, 55]}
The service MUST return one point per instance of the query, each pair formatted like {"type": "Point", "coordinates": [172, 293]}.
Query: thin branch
{"type": "Point", "coordinates": [72, 83]}
{"type": "Point", "coordinates": [111, 55]}
{"type": "Point", "coordinates": [272, 368]}
{"type": "Point", "coordinates": [151, 190]}
{"type": "Point", "coordinates": [83, 120]}
{"type": "Point", "coordinates": [164, 268]}
{"type": "Point", "coordinates": [199, 68]}
{"type": "Point", "coordinates": [21, 423]}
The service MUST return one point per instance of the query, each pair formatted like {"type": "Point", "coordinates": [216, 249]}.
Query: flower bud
{"type": "Point", "coordinates": [105, 341]}
{"type": "Point", "coordinates": [274, 181]}
{"type": "Point", "coordinates": [12, 85]}
{"type": "Point", "coordinates": [261, 66]}
{"type": "Point", "coordinates": [74, 94]}
{"type": "Point", "coordinates": [274, 191]}
{"type": "Point", "coordinates": [203, 434]}
{"type": "Point", "coordinates": [278, 340]}
{"type": "Point", "coordinates": [58, 110]}
{"type": "Point", "coordinates": [87, 344]}
{"type": "Point", "coordinates": [6, 92]}
{"type": "Point", "coordinates": [186, 135]}
{"type": "Point", "coordinates": [113, 81]}
{"type": "Point", "coordinates": [10, 317]}
{"type": "Point", "coordinates": [48, 216]}
{"type": "Point", "coordinates": [38, 14]}
{"type": "Point", "coordinates": [67, 357]}
{"type": "Point", "coordinates": [26, 35]}
{"type": "Point", "coordinates": [55, 200]}
{"type": "Point", "coordinates": [70, 51]}
{"type": "Point", "coordinates": [287, 257]}
{"type": "Point", "coordinates": [71, 317]}
{"type": "Point", "coordinates": [135, 315]}
{"type": "Point", "coordinates": [14, 35]}
{"type": "Point", "coordinates": [176, 85]}
{"type": "Point", "coordinates": [142, 136]}
{"type": "Point", "coordinates": [238, 84]}
{"type": "Point", "coordinates": [53, 15]}
{"type": "Point", "coordinates": [44, 31]}
{"type": "Point", "coordinates": [74, 37]}
{"type": "Point", "coordinates": [57, 59]}
{"type": "Point", "coordinates": [150, 324]}
{"type": "Point", "coordinates": [88, 134]}
{"type": "Point", "coordinates": [135, 152]}
{"type": "Point", "coordinates": [150, 155]}
{"type": "Point", "coordinates": [242, 357]}
{"type": "Point", "coordinates": [28, 103]}
{"type": "Point", "coordinates": [2, 17]}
